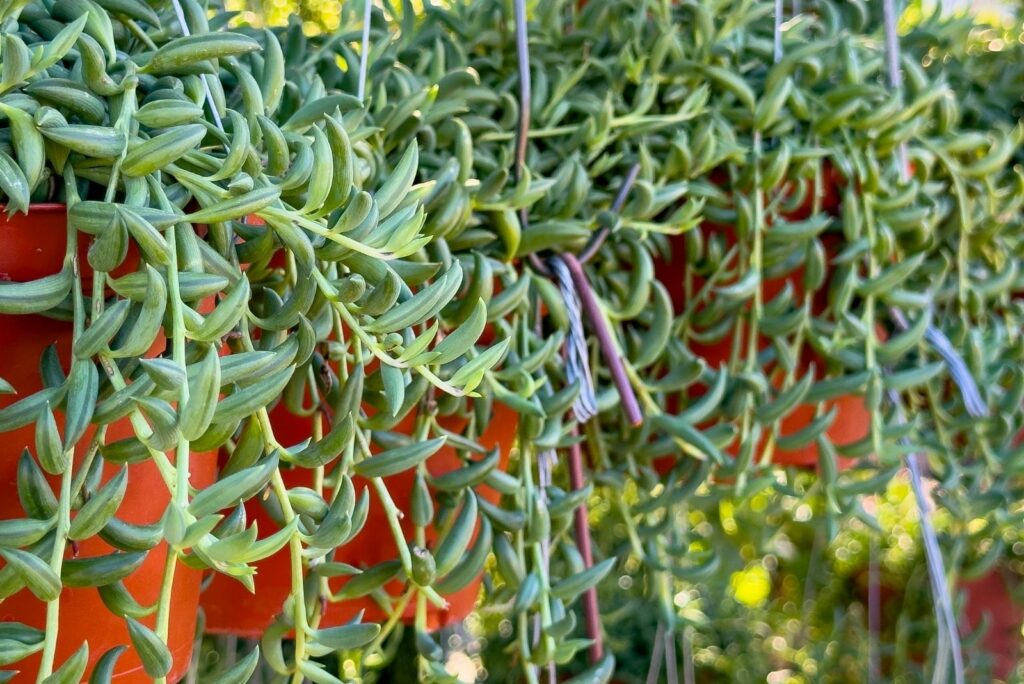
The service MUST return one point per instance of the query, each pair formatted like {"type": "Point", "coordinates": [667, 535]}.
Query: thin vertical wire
{"type": "Point", "coordinates": [933, 554]}
{"type": "Point", "coordinates": [525, 94]}
{"type": "Point", "coordinates": [657, 655]}
{"type": "Point", "coordinates": [958, 370]}
{"type": "Point", "coordinates": [616, 368]}
{"type": "Point", "coordinates": [686, 640]}
{"type": "Point", "coordinates": [777, 33]}
{"type": "Point", "coordinates": [874, 612]}
{"type": "Point", "coordinates": [180, 13]}
{"type": "Point", "coordinates": [936, 570]}
{"type": "Point", "coordinates": [364, 49]}
{"type": "Point", "coordinates": [671, 671]}
{"type": "Point", "coordinates": [892, 63]}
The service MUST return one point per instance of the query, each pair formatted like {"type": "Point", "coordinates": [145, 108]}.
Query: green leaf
{"type": "Point", "coordinates": [119, 601]}
{"type": "Point", "coordinates": [174, 56]}
{"type": "Point", "coordinates": [424, 304]}
{"type": "Point", "coordinates": [83, 390]}
{"type": "Point", "coordinates": [241, 672]}
{"type": "Point", "coordinates": [102, 330]}
{"type": "Point", "coordinates": [157, 153]}
{"type": "Point", "coordinates": [398, 182]}
{"type": "Point", "coordinates": [100, 570]}
{"type": "Point", "coordinates": [460, 340]}
{"type": "Point", "coordinates": [347, 637]}
{"type": "Point", "coordinates": [49, 446]}
{"type": "Point", "coordinates": [203, 393]}
{"type": "Point", "coordinates": [73, 668]}
{"type": "Point", "coordinates": [394, 461]}
{"type": "Point", "coordinates": [34, 296]}
{"type": "Point", "coordinates": [370, 580]}
{"type": "Point", "coordinates": [234, 489]}
{"type": "Point", "coordinates": [34, 490]}
{"type": "Point", "coordinates": [313, 111]}
{"type": "Point", "coordinates": [156, 658]}
{"type": "Point", "coordinates": [471, 374]}
{"type": "Point", "coordinates": [100, 508]}
{"type": "Point", "coordinates": [394, 387]}
{"type": "Point", "coordinates": [103, 671]}
{"type": "Point", "coordinates": [573, 586]}
{"type": "Point", "coordinates": [34, 572]}
{"type": "Point", "coordinates": [248, 400]}
{"type": "Point", "coordinates": [21, 532]}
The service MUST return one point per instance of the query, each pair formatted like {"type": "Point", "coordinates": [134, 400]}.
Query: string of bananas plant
{"type": "Point", "coordinates": [107, 112]}
{"type": "Point", "coordinates": [781, 259]}
{"type": "Point", "coordinates": [820, 208]}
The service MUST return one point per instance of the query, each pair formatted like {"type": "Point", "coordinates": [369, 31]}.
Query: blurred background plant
{"type": "Point", "coordinates": [781, 602]}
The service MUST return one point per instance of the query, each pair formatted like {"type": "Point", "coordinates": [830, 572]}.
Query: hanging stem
{"type": "Point", "coordinates": [525, 95]}
{"type": "Point", "coordinates": [181, 464]}
{"type": "Point", "coordinates": [657, 655]}
{"type": "Point", "coordinates": [64, 503]}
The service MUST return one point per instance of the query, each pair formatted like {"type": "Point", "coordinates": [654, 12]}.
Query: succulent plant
{"type": "Point", "coordinates": [117, 125]}
{"type": "Point", "coordinates": [700, 248]}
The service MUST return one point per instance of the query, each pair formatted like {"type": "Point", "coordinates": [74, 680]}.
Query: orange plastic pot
{"type": "Point", "coordinates": [990, 596]}
{"type": "Point", "coordinates": [31, 247]}
{"type": "Point", "coordinates": [231, 609]}
{"type": "Point", "coordinates": [852, 422]}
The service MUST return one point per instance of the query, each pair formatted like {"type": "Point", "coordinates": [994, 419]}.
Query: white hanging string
{"type": "Point", "coordinates": [577, 363]}
{"type": "Point", "coordinates": [936, 568]}
{"type": "Point", "coordinates": [777, 37]}
{"type": "Point", "coordinates": [180, 12]}
{"type": "Point", "coordinates": [958, 370]}
{"type": "Point", "coordinates": [364, 50]}
{"type": "Point", "coordinates": [892, 62]}
{"type": "Point", "coordinates": [944, 613]}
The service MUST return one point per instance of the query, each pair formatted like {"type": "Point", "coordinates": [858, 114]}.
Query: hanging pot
{"type": "Point", "coordinates": [985, 599]}
{"type": "Point", "coordinates": [989, 598]}
{"type": "Point", "coordinates": [853, 421]}
{"type": "Point", "coordinates": [33, 246]}
{"type": "Point", "coordinates": [231, 609]}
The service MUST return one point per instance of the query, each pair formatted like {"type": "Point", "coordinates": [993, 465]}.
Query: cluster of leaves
{"type": "Point", "coordinates": [834, 239]}
{"type": "Point", "coordinates": [785, 601]}
{"type": "Point", "coordinates": [938, 247]}
{"type": "Point", "coordinates": [796, 235]}
{"type": "Point", "coordinates": [195, 169]}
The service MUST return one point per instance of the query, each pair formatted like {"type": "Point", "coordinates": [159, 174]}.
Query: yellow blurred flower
{"type": "Point", "coordinates": [751, 586]}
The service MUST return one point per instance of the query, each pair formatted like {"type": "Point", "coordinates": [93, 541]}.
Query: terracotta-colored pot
{"type": "Point", "coordinates": [31, 247]}
{"type": "Point", "coordinates": [990, 596]}
{"type": "Point", "coordinates": [852, 421]}
{"type": "Point", "coordinates": [230, 609]}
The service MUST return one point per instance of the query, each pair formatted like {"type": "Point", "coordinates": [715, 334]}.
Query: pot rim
{"type": "Point", "coordinates": [41, 207]}
{"type": "Point", "coordinates": [37, 208]}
